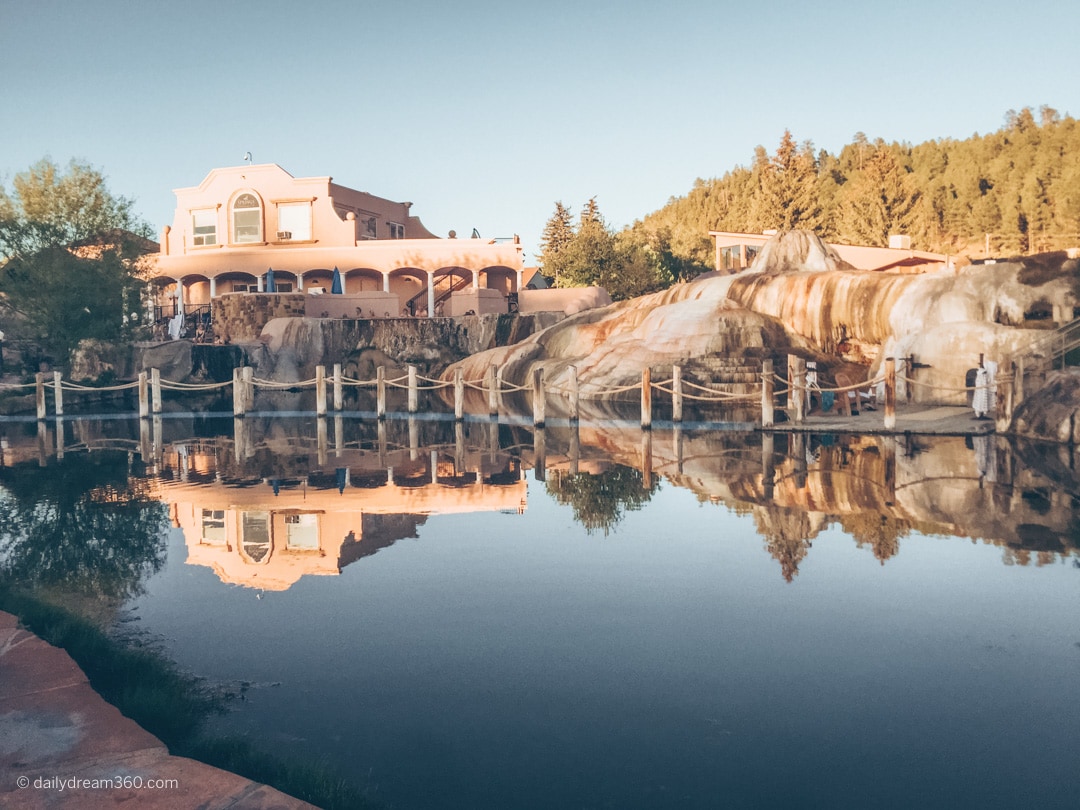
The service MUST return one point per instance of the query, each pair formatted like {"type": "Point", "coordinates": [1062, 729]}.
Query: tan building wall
{"type": "Point", "coordinates": [228, 231]}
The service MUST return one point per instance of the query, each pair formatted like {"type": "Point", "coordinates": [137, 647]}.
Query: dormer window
{"type": "Point", "coordinates": [396, 231]}
{"type": "Point", "coordinates": [247, 219]}
{"type": "Point", "coordinates": [204, 227]}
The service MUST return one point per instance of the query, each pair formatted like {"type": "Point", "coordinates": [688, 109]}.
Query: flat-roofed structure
{"type": "Point", "coordinates": [737, 251]}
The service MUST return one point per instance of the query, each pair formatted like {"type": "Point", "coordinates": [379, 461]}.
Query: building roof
{"type": "Point", "coordinates": [864, 257]}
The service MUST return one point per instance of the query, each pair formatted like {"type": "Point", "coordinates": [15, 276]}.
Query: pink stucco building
{"type": "Point", "coordinates": [240, 222]}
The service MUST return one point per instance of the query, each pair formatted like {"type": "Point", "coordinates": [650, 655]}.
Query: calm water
{"type": "Point", "coordinates": [487, 618]}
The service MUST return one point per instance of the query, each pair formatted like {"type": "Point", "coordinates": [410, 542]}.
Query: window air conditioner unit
{"type": "Point", "coordinates": [284, 234]}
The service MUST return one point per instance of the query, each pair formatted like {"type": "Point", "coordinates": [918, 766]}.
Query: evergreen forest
{"type": "Point", "coordinates": [1010, 192]}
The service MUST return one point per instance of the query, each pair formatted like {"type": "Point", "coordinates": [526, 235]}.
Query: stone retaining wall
{"type": "Point", "coordinates": [240, 317]}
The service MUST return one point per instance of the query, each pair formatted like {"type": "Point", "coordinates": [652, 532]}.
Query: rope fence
{"type": "Point", "coordinates": [768, 389]}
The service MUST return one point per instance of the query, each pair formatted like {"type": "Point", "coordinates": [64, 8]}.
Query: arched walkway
{"type": "Point", "coordinates": [410, 284]}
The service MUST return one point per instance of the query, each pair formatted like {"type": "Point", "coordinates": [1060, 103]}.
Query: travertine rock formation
{"type": "Point", "coordinates": [693, 325]}
{"type": "Point", "coordinates": [799, 296]}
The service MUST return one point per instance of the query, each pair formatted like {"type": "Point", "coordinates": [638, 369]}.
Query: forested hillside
{"type": "Point", "coordinates": [1017, 188]}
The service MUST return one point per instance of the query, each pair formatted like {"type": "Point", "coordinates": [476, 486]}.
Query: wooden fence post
{"type": "Point", "coordinates": [247, 374]}
{"type": "Point", "coordinates": [414, 394]}
{"type": "Point", "coordinates": [909, 377]}
{"type": "Point", "coordinates": [380, 392]}
{"type": "Point", "coordinates": [890, 393]}
{"type": "Point", "coordinates": [491, 383]}
{"type": "Point", "coordinates": [646, 460]}
{"type": "Point", "coordinates": [798, 391]}
{"type": "Point", "coordinates": [539, 403]}
{"type": "Point", "coordinates": [575, 396]}
{"type": "Point", "coordinates": [144, 440]}
{"type": "Point", "coordinates": [768, 387]}
{"type": "Point", "coordinates": [540, 453]}
{"type": "Point", "coordinates": [575, 449]}
{"type": "Point", "coordinates": [155, 389]}
{"type": "Point", "coordinates": [792, 360]}
{"type": "Point", "coordinates": [320, 390]}
{"type": "Point", "coordinates": [459, 394]}
{"type": "Point", "coordinates": [40, 391]}
{"type": "Point", "coordinates": [768, 465]}
{"type": "Point", "coordinates": [321, 439]}
{"type": "Point", "coordinates": [646, 399]}
{"type": "Point", "coordinates": [58, 394]}
{"type": "Point", "coordinates": [144, 395]}
{"type": "Point", "coordinates": [339, 389]}
{"type": "Point", "coordinates": [676, 394]}
{"type": "Point", "coordinates": [238, 399]}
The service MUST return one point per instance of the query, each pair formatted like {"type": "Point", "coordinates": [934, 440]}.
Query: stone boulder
{"type": "Point", "coordinates": [1053, 412]}
{"type": "Point", "coordinates": [172, 358]}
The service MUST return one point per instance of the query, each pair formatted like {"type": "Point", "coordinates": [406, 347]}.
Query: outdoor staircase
{"type": "Point", "coordinates": [1056, 349]}
{"type": "Point", "coordinates": [440, 294]}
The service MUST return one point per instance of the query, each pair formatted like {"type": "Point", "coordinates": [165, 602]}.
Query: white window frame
{"type": "Point", "coordinates": [397, 230]}
{"type": "Point", "coordinates": [214, 532]}
{"type": "Point", "coordinates": [205, 239]}
{"type": "Point", "coordinates": [255, 238]}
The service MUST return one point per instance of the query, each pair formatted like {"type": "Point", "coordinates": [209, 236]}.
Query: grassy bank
{"type": "Point", "coordinates": [150, 689]}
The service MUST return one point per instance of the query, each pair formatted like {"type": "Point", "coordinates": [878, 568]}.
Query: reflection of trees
{"type": "Point", "coordinates": [787, 535]}
{"type": "Point", "coordinates": [881, 532]}
{"type": "Point", "coordinates": [79, 524]}
{"type": "Point", "coordinates": [601, 500]}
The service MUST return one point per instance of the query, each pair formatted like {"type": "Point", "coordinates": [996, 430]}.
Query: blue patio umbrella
{"type": "Point", "coordinates": [270, 285]}
{"type": "Point", "coordinates": [335, 286]}
{"type": "Point", "coordinates": [342, 478]}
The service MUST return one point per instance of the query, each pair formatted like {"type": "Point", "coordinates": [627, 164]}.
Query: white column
{"type": "Point", "coordinates": [344, 285]}
{"type": "Point", "coordinates": [430, 295]}
{"type": "Point", "coordinates": [180, 292]}
{"type": "Point", "coordinates": [299, 282]}
{"type": "Point", "coordinates": [475, 280]}
{"type": "Point", "coordinates": [260, 281]}
{"type": "Point", "coordinates": [519, 273]}
{"type": "Point", "coordinates": [213, 288]}
{"type": "Point", "coordinates": [386, 282]}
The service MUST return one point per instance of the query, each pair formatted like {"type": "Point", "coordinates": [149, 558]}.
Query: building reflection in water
{"type": "Point", "coordinates": [278, 498]}
{"type": "Point", "coordinates": [271, 517]}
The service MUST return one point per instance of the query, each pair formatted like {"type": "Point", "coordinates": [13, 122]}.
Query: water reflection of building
{"type": "Point", "coordinates": [374, 484]}
{"type": "Point", "coordinates": [268, 532]}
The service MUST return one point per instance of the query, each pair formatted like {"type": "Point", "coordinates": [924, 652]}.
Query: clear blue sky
{"type": "Point", "coordinates": [483, 114]}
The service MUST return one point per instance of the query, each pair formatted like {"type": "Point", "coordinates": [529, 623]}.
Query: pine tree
{"type": "Point", "coordinates": [788, 193]}
{"type": "Point", "coordinates": [878, 201]}
{"type": "Point", "coordinates": [557, 234]}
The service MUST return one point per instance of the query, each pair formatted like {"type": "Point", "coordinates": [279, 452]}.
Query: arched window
{"type": "Point", "coordinates": [247, 219]}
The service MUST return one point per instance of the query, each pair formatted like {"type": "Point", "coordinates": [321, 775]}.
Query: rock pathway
{"type": "Point", "coordinates": [63, 746]}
